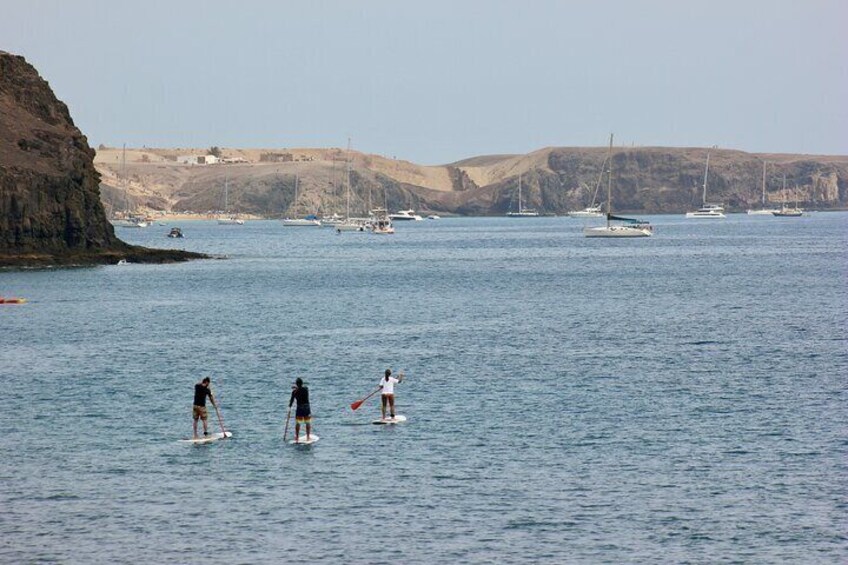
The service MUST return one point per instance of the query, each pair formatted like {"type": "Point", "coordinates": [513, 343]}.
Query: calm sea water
{"type": "Point", "coordinates": [570, 400]}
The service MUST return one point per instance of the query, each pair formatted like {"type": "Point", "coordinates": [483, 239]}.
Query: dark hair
{"type": "Point", "coordinates": [205, 380]}
{"type": "Point", "coordinates": [388, 373]}
{"type": "Point", "coordinates": [298, 381]}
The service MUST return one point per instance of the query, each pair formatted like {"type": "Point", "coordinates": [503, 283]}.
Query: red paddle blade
{"type": "Point", "coordinates": [357, 404]}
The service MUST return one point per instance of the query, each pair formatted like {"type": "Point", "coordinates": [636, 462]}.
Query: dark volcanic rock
{"type": "Point", "coordinates": [50, 209]}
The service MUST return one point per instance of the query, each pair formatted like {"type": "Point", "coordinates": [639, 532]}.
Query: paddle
{"type": "Point", "coordinates": [288, 417]}
{"type": "Point", "coordinates": [221, 421]}
{"type": "Point", "coordinates": [358, 403]}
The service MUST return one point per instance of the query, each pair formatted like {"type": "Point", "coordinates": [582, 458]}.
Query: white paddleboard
{"type": "Point", "coordinates": [301, 440]}
{"type": "Point", "coordinates": [209, 438]}
{"type": "Point", "coordinates": [396, 420]}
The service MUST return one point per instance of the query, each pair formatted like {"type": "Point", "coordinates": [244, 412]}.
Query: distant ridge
{"type": "Point", "coordinates": [555, 180]}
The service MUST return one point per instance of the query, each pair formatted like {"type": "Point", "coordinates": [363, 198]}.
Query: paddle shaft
{"type": "Point", "coordinates": [220, 419]}
{"type": "Point", "coordinates": [288, 417]}
{"type": "Point", "coordinates": [358, 403]}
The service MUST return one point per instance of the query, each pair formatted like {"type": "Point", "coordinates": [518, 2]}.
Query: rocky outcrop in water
{"type": "Point", "coordinates": [50, 209]}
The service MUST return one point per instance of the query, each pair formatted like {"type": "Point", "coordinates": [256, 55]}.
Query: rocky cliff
{"type": "Point", "coordinates": [50, 208]}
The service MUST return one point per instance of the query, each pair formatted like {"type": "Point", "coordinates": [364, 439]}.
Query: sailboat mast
{"type": "Point", "coordinates": [609, 183]}
{"type": "Point", "coordinates": [706, 172]}
{"type": "Point", "coordinates": [124, 175]}
{"type": "Point", "coordinates": [348, 177]}
{"type": "Point", "coordinates": [764, 184]}
{"type": "Point", "coordinates": [519, 193]}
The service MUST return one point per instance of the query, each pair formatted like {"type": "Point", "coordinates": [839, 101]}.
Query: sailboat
{"type": "Point", "coordinates": [129, 220]}
{"type": "Point", "coordinates": [628, 227]}
{"type": "Point", "coordinates": [785, 211]}
{"type": "Point", "coordinates": [310, 221]}
{"type": "Point", "coordinates": [227, 219]}
{"type": "Point", "coordinates": [763, 211]}
{"type": "Point", "coordinates": [707, 211]}
{"type": "Point", "coordinates": [522, 212]}
{"type": "Point", "coordinates": [593, 210]}
{"type": "Point", "coordinates": [347, 223]}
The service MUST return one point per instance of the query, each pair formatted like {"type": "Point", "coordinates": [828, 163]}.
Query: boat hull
{"type": "Point", "coordinates": [705, 215]}
{"type": "Point", "coordinates": [301, 223]}
{"type": "Point", "coordinates": [617, 231]}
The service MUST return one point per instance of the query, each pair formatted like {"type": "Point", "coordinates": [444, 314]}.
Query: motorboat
{"type": "Point", "coordinates": [589, 212]}
{"type": "Point", "coordinates": [354, 225]}
{"type": "Point", "coordinates": [707, 211]}
{"type": "Point", "coordinates": [434, 217]}
{"type": "Point", "coordinates": [230, 221]}
{"type": "Point", "coordinates": [132, 222]}
{"type": "Point", "coordinates": [404, 215]}
{"type": "Point", "coordinates": [310, 221]}
{"type": "Point", "coordinates": [381, 222]}
{"type": "Point", "coordinates": [175, 232]}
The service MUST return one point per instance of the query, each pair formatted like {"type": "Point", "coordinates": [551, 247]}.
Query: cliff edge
{"type": "Point", "coordinates": [50, 209]}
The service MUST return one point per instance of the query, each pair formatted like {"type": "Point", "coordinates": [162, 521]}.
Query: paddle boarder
{"type": "Point", "coordinates": [387, 389]}
{"type": "Point", "coordinates": [198, 410]}
{"type": "Point", "coordinates": [303, 415]}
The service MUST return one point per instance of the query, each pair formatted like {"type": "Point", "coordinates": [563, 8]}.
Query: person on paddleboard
{"type": "Point", "coordinates": [198, 410]}
{"type": "Point", "coordinates": [387, 389]}
{"type": "Point", "coordinates": [303, 415]}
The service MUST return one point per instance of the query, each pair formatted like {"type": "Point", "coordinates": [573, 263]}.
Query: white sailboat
{"type": "Point", "coordinates": [349, 224]}
{"type": "Point", "coordinates": [310, 221]}
{"type": "Point", "coordinates": [593, 210]}
{"type": "Point", "coordinates": [522, 212]}
{"type": "Point", "coordinates": [787, 211]}
{"type": "Point", "coordinates": [707, 211]}
{"type": "Point", "coordinates": [627, 227]}
{"type": "Point", "coordinates": [128, 220]}
{"type": "Point", "coordinates": [763, 211]}
{"type": "Point", "coordinates": [227, 219]}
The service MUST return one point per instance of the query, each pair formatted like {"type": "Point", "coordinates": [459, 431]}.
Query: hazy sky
{"type": "Point", "coordinates": [437, 81]}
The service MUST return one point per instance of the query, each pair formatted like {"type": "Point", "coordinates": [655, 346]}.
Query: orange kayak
{"type": "Point", "coordinates": [12, 300]}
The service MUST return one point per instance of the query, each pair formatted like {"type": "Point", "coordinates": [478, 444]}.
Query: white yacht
{"type": "Point", "coordinates": [628, 227]}
{"type": "Point", "coordinates": [434, 217]}
{"type": "Point", "coordinates": [404, 215]}
{"type": "Point", "coordinates": [129, 223]}
{"type": "Point", "coordinates": [589, 212]}
{"type": "Point", "coordinates": [310, 221]}
{"type": "Point", "coordinates": [522, 211]}
{"type": "Point", "coordinates": [707, 211]}
{"type": "Point", "coordinates": [381, 223]}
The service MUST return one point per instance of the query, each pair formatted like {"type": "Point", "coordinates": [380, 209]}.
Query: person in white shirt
{"type": "Point", "coordinates": [387, 387]}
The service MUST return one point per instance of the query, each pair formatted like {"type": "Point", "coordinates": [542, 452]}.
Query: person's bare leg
{"type": "Point", "coordinates": [296, 432]}
{"type": "Point", "coordinates": [194, 428]}
{"type": "Point", "coordinates": [308, 430]}
{"type": "Point", "coordinates": [392, 406]}
{"type": "Point", "coordinates": [384, 399]}
{"type": "Point", "coordinates": [205, 428]}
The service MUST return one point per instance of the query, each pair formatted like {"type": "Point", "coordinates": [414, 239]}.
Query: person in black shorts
{"type": "Point", "coordinates": [303, 415]}
{"type": "Point", "coordinates": [198, 410]}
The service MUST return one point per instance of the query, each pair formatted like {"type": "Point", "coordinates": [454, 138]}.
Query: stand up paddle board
{"type": "Point", "coordinates": [396, 420]}
{"type": "Point", "coordinates": [209, 438]}
{"type": "Point", "coordinates": [301, 440]}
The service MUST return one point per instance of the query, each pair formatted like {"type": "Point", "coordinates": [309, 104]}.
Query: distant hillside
{"type": "Point", "coordinates": [554, 180]}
